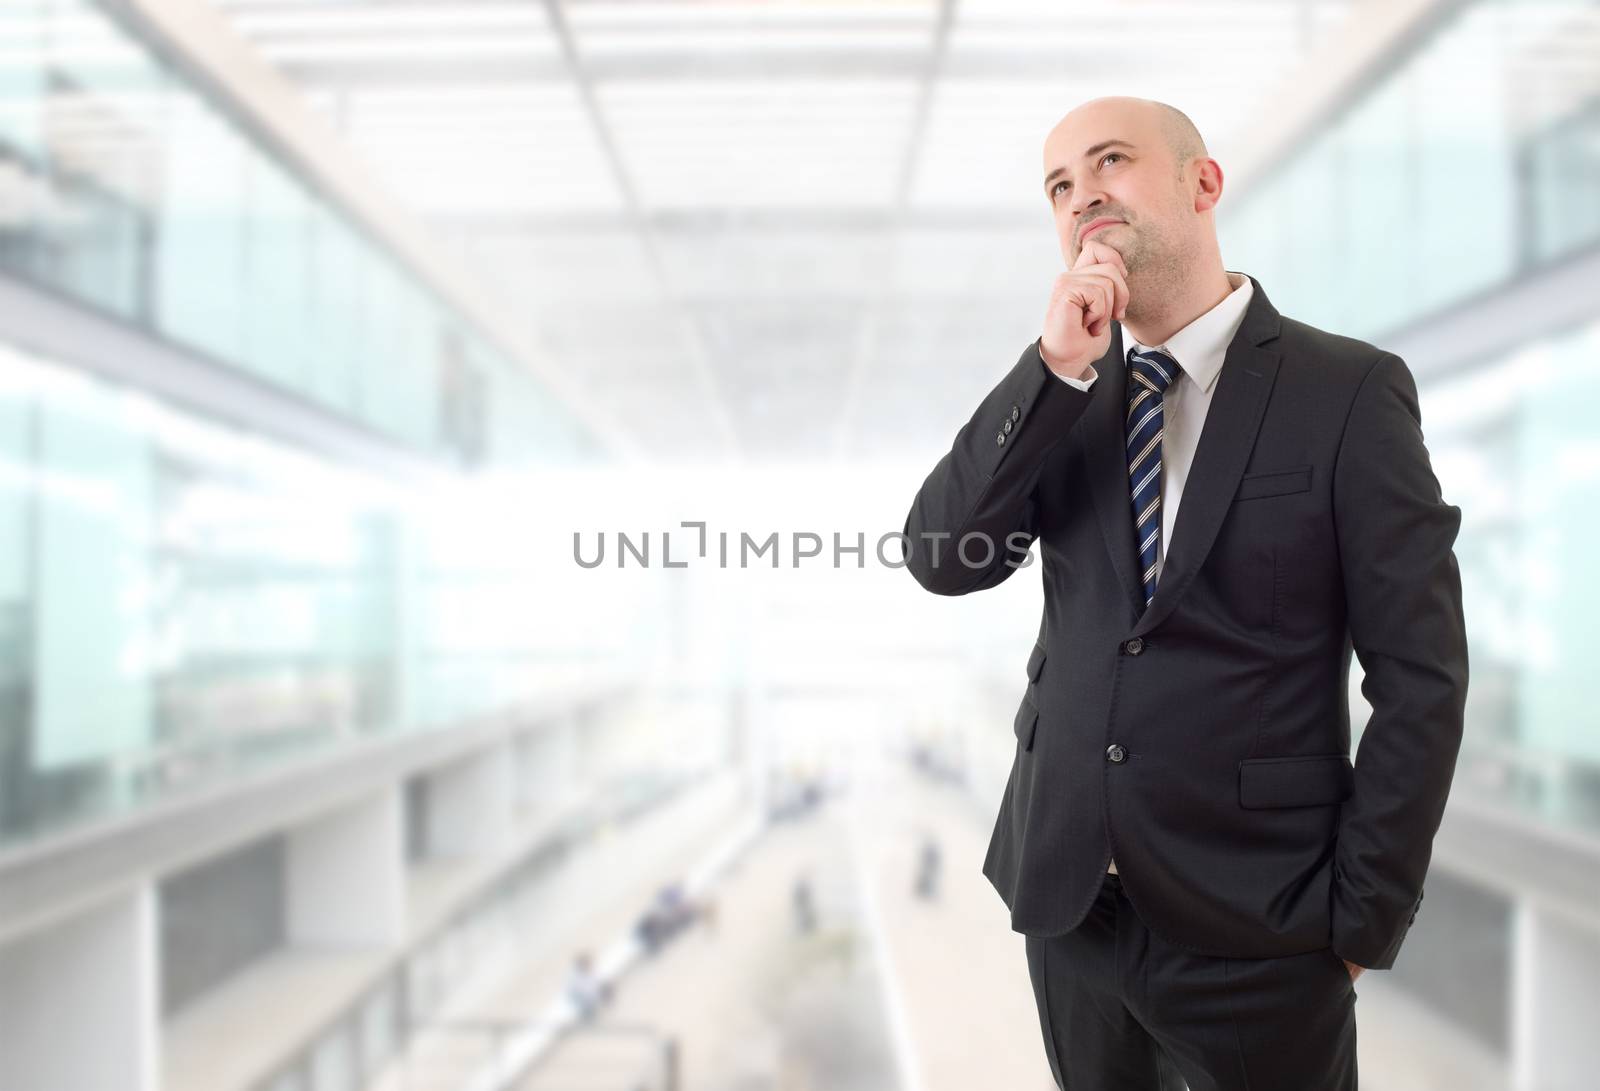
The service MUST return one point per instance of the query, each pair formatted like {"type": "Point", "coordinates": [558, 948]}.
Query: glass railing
{"type": "Point", "coordinates": [182, 602]}
{"type": "Point", "coordinates": [372, 1039]}
{"type": "Point", "coordinates": [1468, 161]}
{"type": "Point", "coordinates": [124, 188]}
{"type": "Point", "coordinates": [1521, 463]}
{"type": "Point", "coordinates": [1471, 162]}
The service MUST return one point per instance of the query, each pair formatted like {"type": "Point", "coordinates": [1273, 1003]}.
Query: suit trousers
{"type": "Point", "coordinates": [1124, 1010]}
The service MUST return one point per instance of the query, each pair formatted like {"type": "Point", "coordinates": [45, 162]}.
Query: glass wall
{"type": "Point", "coordinates": [122, 187]}
{"type": "Point", "coordinates": [1473, 159]}
{"type": "Point", "coordinates": [181, 602]}
{"type": "Point", "coordinates": [361, 1047]}
{"type": "Point", "coordinates": [1523, 467]}
{"type": "Point", "coordinates": [1474, 163]}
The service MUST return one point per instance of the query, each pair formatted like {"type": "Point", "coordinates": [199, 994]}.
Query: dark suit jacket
{"type": "Point", "coordinates": [1205, 741]}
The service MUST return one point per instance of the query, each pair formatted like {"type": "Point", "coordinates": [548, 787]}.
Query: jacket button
{"type": "Point", "coordinates": [1115, 753]}
{"type": "Point", "coordinates": [1006, 426]}
{"type": "Point", "coordinates": [1016, 413]}
{"type": "Point", "coordinates": [1134, 646]}
{"type": "Point", "coordinates": [999, 439]}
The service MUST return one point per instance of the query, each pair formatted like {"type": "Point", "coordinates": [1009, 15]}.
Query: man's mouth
{"type": "Point", "coordinates": [1097, 225]}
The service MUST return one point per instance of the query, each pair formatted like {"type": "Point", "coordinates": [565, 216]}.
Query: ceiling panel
{"type": "Point", "coordinates": [767, 230]}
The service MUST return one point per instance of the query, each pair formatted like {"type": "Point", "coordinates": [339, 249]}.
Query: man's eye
{"type": "Point", "coordinates": [1055, 189]}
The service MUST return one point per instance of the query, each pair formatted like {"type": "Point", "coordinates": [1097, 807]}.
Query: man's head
{"type": "Point", "coordinates": [1143, 163]}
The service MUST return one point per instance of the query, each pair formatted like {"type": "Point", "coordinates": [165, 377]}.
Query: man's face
{"type": "Point", "coordinates": [1110, 161]}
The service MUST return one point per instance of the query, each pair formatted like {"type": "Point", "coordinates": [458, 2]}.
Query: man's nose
{"type": "Point", "coordinates": [1087, 209]}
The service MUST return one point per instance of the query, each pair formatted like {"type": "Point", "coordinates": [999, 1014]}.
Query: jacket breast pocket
{"type": "Point", "coordinates": [1274, 483]}
{"type": "Point", "coordinates": [1298, 781]}
{"type": "Point", "coordinates": [1026, 721]}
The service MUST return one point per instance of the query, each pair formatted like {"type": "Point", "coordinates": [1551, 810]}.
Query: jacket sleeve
{"type": "Point", "coordinates": [972, 521]}
{"type": "Point", "coordinates": [1403, 599]}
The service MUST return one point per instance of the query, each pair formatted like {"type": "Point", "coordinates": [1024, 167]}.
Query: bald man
{"type": "Point", "coordinates": [1228, 502]}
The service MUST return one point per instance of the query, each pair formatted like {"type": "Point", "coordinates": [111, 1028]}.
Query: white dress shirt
{"type": "Point", "coordinates": [1199, 348]}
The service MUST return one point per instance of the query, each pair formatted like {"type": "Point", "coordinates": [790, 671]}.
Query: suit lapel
{"type": "Point", "coordinates": [1232, 422]}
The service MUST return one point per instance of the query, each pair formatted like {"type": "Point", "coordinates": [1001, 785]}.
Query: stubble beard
{"type": "Point", "coordinates": [1157, 267]}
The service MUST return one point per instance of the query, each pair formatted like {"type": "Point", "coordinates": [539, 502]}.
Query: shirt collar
{"type": "Point", "coordinates": [1200, 346]}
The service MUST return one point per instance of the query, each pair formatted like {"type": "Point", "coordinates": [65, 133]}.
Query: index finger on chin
{"type": "Point", "coordinates": [1098, 251]}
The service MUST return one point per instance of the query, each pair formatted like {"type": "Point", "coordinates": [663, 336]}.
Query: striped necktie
{"type": "Point", "coordinates": [1149, 374]}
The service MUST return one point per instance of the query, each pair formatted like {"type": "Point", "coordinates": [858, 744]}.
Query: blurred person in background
{"type": "Point", "coordinates": [925, 885]}
{"type": "Point", "coordinates": [585, 989]}
{"type": "Point", "coordinates": [669, 913]}
{"type": "Point", "coordinates": [1228, 502]}
{"type": "Point", "coordinates": [803, 905]}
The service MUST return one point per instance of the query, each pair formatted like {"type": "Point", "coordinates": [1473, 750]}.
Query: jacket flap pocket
{"type": "Point", "coordinates": [1274, 482]}
{"type": "Point", "coordinates": [1026, 720]}
{"type": "Point", "coordinates": [1300, 781]}
{"type": "Point", "coordinates": [1035, 662]}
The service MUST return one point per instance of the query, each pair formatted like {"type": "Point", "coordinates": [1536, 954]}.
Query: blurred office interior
{"type": "Point", "coordinates": [336, 334]}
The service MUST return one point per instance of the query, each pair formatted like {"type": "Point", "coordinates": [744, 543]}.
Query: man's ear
{"type": "Point", "coordinates": [1207, 184]}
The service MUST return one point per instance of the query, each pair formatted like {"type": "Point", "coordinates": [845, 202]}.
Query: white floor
{"type": "Point", "coordinates": [890, 991]}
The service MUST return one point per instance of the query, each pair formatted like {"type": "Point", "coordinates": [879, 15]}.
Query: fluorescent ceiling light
{"type": "Point", "coordinates": [432, 47]}
{"type": "Point", "coordinates": [742, 41]}
{"type": "Point", "coordinates": [710, 114]}
{"type": "Point", "coordinates": [702, 14]}
{"type": "Point", "coordinates": [464, 95]}
{"type": "Point", "coordinates": [691, 92]}
{"type": "Point", "coordinates": [1153, 41]}
{"type": "Point", "coordinates": [393, 17]}
{"type": "Point", "coordinates": [436, 127]}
